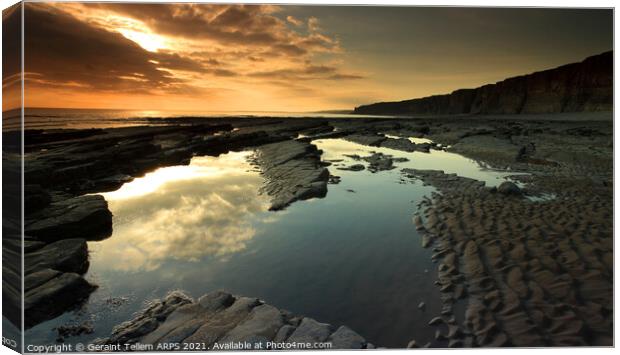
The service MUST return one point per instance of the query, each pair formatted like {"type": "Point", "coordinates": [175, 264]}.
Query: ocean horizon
{"type": "Point", "coordinates": [79, 118]}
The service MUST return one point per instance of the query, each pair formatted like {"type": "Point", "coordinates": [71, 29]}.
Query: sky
{"type": "Point", "coordinates": [207, 57]}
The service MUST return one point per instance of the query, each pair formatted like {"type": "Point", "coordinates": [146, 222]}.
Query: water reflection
{"type": "Point", "coordinates": [352, 258]}
{"type": "Point", "coordinates": [335, 149]}
{"type": "Point", "coordinates": [207, 208]}
{"type": "Point", "coordinates": [415, 140]}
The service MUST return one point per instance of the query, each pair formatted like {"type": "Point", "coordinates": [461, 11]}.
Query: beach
{"type": "Point", "coordinates": [510, 218]}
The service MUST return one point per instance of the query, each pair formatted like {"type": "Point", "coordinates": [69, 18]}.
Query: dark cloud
{"type": "Point", "coordinates": [11, 43]}
{"type": "Point", "coordinates": [62, 49]}
{"type": "Point", "coordinates": [309, 72]}
{"type": "Point", "coordinates": [81, 46]}
{"type": "Point", "coordinates": [249, 25]}
{"type": "Point", "coordinates": [345, 77]}
{"type": "Point", "coordinates": [222, 72]}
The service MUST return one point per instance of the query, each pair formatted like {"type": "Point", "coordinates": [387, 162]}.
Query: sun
{"type": "Point", "coordinates": [149, 41]}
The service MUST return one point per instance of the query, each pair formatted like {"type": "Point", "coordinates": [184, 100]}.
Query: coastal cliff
{"type": "Point", "coordinates": [576, 87]}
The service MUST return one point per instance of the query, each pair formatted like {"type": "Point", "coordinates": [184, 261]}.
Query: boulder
{"type": "Point", "coordinates": [508, 188]}
{"type": "Point", "coordinates": [310, 331]}
{"type": "Point", "coordinates": [283, 333]}
{"type": "Point", "coordinates": [345, 338]}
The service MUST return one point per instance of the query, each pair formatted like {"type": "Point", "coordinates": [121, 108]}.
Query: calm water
{"type": "Point", "coordinates": [351, 258]}
{"type": "Point", "coordinates": [44, 118]}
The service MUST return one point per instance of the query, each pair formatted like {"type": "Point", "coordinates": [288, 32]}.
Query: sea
{"type": "Point", "coordinates": [60, 118]}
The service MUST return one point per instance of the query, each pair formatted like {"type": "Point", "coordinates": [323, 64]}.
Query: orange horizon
{"type": "Point", "coordinates": [286, 58]}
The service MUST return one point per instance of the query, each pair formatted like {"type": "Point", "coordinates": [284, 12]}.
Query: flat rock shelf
{"type": "Point", "coordinates": [221, 321]}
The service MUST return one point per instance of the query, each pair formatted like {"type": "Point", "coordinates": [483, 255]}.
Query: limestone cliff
{"type": "Point", "coordinates": [576, 87]}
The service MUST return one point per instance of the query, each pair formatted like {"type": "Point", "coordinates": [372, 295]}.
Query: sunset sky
{"type": "Point", "coordinates": [206, 57]}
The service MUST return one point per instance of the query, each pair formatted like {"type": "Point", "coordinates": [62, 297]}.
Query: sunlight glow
{"type": "Point", "coordinates": [200, 168]}
{"type": "Point", "coordinates": [149, 41]}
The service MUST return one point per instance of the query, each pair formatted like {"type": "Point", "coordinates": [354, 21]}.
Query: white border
{"type": "Point", "coordinates": [467, 3]}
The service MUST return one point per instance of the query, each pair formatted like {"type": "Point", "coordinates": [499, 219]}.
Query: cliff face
{"type": "Point", "coordinates": [576, 87]}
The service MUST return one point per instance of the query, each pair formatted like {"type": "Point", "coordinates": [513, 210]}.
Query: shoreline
{"type": "Point", "coordinates": [501, 143]}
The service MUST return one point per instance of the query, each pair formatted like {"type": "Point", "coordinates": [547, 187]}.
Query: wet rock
{"type": "Point", "coordinates": [334, 180]}
{"type": "Point", "coordinates": [455, 343]}
{"type": "Point", "coordinates": [310, 331]}
{"type": "Point", "coordinates": [454, 331]}
{"type": "Point", "coordinates": [223, 318]}
{"type": "Point", "coordinates": [68, 255]}
{"type": "Point", "coordinates": [423, 147]}
{"type": "Point", "coordinates": [439, 336]}
{"type": "Point", "coordinates": [84, 217]}
{"type": "Point", "coordinates": [215, 301]}
{"type": "Point", "coordinates": [293, 172]}
{"type": "Point", "coordinates": [70, 330]}
{"type": "Point", "coordinates": [195, 325]}
{"type": "Point", "coordinates": [35, 198]}
{"type": "Point", "coordinates": [370, 140]}
{"type": "Point", "coordinates": [508, 188]}
{"type": "Point", "coordinates": [354, 167]}
{"type": "Point", "coordinates": [283, 333]}
{"type": "Point", "coordinates": [379, 162]}
{"type": "Point", "coordinates": [436, 321]}
{"type": "Point", "coordinates": [147, 320]}
{"type": "Point", "coordinates": [262, 324]}
{"type": "Point", "coordinates": [412, 345]}
{"type": "Point", "coordinates": [419, 224]}
{"type": "Point", "coordinates": [403, 144]}
{"type": "Point", "coordinates": [49, 293]}
{"type": "Point", "coordinates": [426, 241]}
{"type": "Point", "coordinates": [345, 338]}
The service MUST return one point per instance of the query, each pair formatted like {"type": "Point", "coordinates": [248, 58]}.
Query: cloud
{"type": "Point", "coordinates": [248, 25]}
{"type": "Point", "coordinates": [309, 72]}
{"type": "Point", "coordinates": [295, 21]}
{"type": "Point", "coordinates": [210, 208]}
{"type": "Point", "coordinates": [187, 50]}
{"type": "Point", "coordinates": [345, 77]}
{"type": "Point", "coordinates": [313, 24]}
{"type": "Point", "coordinates": [11, 60]}
{"type": "Point", "coordinates": [66, 51]}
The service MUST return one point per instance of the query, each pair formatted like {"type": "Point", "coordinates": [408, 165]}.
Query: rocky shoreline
{"type": "Point", "coordinates": [219, 320]}
{"type": "Point", "coordinates": [63, 167]}
{"type": "Point", "coordinates": [493, 249]}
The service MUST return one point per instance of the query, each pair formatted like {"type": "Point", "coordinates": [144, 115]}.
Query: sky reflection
{"type": "Point", "coordinates": [183, 213]}
{"type": "Point", "coordinates": [434, 160]}
{"type": "Point", "coordinates": [352, 258]}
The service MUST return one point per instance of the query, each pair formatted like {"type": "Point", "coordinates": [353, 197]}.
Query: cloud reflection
{"type": "Point", "coordinates": [208, 208]}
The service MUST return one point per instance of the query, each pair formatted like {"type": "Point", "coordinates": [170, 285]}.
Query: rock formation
{"type": "Point", "coordinates": [576, 87]}
{"type": "Point", "coordinates": [219, 321]}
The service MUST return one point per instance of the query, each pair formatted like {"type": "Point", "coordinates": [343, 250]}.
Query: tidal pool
{"type": "Point", "coordinates": [353, 257]}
